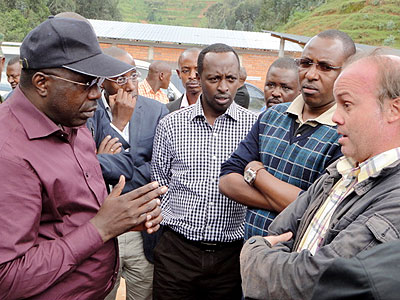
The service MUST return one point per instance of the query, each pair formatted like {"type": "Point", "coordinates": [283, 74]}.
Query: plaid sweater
{"type": "Point", "coordinates": [298, 160]}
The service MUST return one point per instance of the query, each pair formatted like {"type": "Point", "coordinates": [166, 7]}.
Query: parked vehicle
{"type": "Point", "coordinates": [256, 97]}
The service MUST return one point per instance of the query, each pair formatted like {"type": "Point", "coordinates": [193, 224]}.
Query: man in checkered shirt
{"type": "Point", "coordinates": [198, 254]}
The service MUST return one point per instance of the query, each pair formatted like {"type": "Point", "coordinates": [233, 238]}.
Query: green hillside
{"type": "Point", "coordinates": [370, 22]}
{"type": "Point", "coordinates": [171, 12]}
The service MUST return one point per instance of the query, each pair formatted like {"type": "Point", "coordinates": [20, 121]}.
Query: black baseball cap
{"type": "Point", "coordinates": [68, 43]}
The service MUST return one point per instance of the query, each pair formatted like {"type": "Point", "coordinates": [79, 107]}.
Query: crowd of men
{"type": "Point", "coordinates": [198, 198]}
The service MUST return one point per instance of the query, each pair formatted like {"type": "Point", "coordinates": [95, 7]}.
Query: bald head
{"type": "Point", "coordinates": [157, 67]}
{"type": "Point", "coordinates": [367, 94]}
{"type": "Point", "coordinates": [386, 75]}
{"type": "Point", "coordinates": [159, 75]}
{"type": "Point", "coordinates": [116, 52]}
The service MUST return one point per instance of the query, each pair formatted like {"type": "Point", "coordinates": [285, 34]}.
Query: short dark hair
{"type": "Point", "coordinates": [214, 48]}
{"type": "Point", "coordinates": [13, 60]}
{"type": "Point", "coordinates": [287, 63]}
{"type": "Point", "coordinates": [349, 48]}
{"type": "Point", "coordinates": [190, 50]}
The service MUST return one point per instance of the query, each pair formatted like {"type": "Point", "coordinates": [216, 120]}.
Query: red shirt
{"type": "Point", "coordinates": [51, 186]}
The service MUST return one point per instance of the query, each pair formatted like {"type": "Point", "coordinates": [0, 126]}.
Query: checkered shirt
{"type": "Point", "coordinates": [351, 176]}
{"type": "Point", "coordinates": [297, 160]}
{"type": "Point", "coordinates": [187, 157]}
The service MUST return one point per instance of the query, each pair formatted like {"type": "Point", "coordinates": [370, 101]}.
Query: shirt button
{"type": "Point", "coordinates": [208, 227]}
{"type": "Point", "coordinates": [215, 134]}
{"type": "Point", "coordinates": [252, 241]}
{"type": "Point", "coordinates": [214, 157]}
{"type": "Point", "coordinates": [211, 203]}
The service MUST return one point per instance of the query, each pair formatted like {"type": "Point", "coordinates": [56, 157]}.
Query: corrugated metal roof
{"type": "Point", "coordinates": [188, 35]}
{"type": "Point", "coordinates": [301, 39]}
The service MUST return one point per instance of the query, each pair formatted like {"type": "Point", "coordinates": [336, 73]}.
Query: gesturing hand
{"type": "Point", "coordinates": [136, 210]}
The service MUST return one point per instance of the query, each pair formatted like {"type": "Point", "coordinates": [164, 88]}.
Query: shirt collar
{"type": "Point", "coordinates": [106, 105]}
{"type": "Point", "coordinates": [148, 87]}
{"type": "Point", "coordinates": [296, 108]}
{"type": "Point", "coordinates": [197, 111]}
{"type": "Point", "coordinates": [369, 168]}
{"type": "Point", "coordinates": [35, 123]}
{"type": "Point", "coordinates": [185, 101]}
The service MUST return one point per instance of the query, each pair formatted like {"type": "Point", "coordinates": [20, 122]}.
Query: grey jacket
{"type": "Point", "coordinates": [368, 216]}
{"type": "Point", "coordinates": [370, 275]}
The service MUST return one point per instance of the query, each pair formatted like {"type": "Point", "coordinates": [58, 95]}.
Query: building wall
{"type": "Point", "coordinates": [255, 62]}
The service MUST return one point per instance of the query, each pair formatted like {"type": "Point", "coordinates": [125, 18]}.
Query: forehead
{"type": "Point", "coordinates": [326, 50]}
{"type": "Point", "coordinates": [361, 75]}
{"type": "Point", "coordinates": [127, 58]}
{"type": "Point", "coordinates": [282, 75]}
{"type": "Point", "coordinates": [13, 67]}
{"type": "Point", "coordinates": [225, 62]}
{"type": "Point", "coordinates": [188, 59]}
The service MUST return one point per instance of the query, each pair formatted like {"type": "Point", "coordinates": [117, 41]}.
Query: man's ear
{"type": "Point", "coordinates": [40, 83]}
{"type": "Point", "coordinates": [161, 76]}
{"type": "Point", "coordinates": [393, 112]}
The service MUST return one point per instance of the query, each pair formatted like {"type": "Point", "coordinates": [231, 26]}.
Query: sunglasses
{"type": "Point", "coordinates": [305, 63]}
{"type": "Point", "coordinates": [88, 85]}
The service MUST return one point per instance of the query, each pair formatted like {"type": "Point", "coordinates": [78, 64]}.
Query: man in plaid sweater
{"type": "Point", "coordinates": [291, 144]}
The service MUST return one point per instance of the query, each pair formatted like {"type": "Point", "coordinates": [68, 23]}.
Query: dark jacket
{"type": "Point", "coordinates": [175, 105]}
{"type": "Point", "coordinates": [365, 218]}
{"type": "Point", "coordinates": [242, 97]}
{"type": "Point", "coordinates": [371, 275]}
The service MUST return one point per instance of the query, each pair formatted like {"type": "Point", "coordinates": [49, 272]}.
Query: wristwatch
{"type": "Point", "coordinates": [250, 175]}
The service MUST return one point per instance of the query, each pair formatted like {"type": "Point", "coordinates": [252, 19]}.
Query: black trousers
{"type": "Point", "coordinates": [184, 270]}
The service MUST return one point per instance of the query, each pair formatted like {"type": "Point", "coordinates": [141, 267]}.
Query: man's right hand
{"type": "Point", "coordinates": [109, 146]}
{"type": "Point", "coordinates": [136, 210]}
{"type": "Point", "coordinates": [122, 106]}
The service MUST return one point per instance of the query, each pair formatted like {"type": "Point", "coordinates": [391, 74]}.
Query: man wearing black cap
{"type": "Point", "coordinates": [58, 226]}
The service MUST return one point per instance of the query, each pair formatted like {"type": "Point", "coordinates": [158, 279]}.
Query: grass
{"type": "Point", "coordinates": [368, 22]}
{"type": "Point", "coordinates": [171, 12]}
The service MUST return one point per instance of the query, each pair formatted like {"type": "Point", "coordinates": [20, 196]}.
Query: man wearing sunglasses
{"type": "Point", "coordinates": [291, 144]}
{"type": "Point", "coordinates": [133, 120]}
{"type": "Point", "coordinates": [58, 226]}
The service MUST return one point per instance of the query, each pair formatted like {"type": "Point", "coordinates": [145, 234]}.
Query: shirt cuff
{"type": "Point", "coordinates": [84, 241]}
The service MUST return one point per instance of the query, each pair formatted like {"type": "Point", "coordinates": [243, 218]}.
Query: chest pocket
{"type": "Point", "coordinates": [382, 229]}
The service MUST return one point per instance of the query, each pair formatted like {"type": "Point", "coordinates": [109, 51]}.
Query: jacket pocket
{"type": "Point", "coordinates": [382, 229]}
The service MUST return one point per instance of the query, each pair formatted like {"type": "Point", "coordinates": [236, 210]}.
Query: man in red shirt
{"type": "Point", "coordinates": [58, 226]}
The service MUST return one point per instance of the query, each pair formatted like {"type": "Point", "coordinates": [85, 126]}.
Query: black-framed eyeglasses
{"type": "Point", "coordinates": [88, 85]}
{"type": "Point", "coordinates": [305, 63]}
{"type": "Point", "coordinates": [121, 80]}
